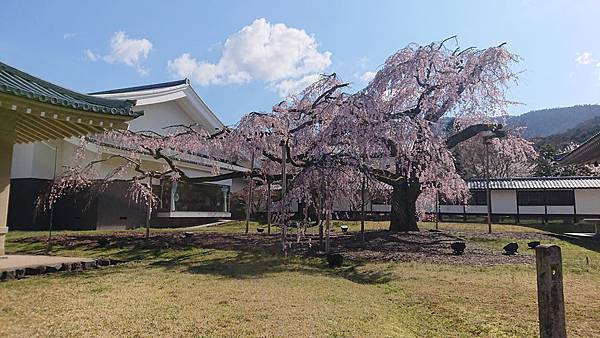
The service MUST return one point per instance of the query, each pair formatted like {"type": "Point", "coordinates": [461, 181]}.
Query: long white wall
{"type": "Point", "coordinates": [587, 201]}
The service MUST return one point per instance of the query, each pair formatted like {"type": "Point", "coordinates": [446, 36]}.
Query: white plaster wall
{"type": "Point", "coordinates": [587, 201]}
{"type": "Point", "coordinates": [35, 160]}
{"type": "Point", "coordinates": [381, 208]}
{"type": "Point", "coordinates": [504, 201]}
{"type": "Point", "coordinates": [476, 209]}
{"type": "Point", "coordinates": [531, 209]}
{"type": "Point", "coordinates": [22, 161]}
{"type": "Point", "coordinates": [560, 210]}
{"type": "Point", "coordinates": [159, 115]}
{"type": "Point", "coordinates": [451, 209]}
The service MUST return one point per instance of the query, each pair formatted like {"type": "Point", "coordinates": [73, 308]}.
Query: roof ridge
{"type": "Point", "coordinates": [126, 104]}
{"type": "Point", "coordinates": [143, 87]}
{"type": "Point", "coordinates": [532, 178]}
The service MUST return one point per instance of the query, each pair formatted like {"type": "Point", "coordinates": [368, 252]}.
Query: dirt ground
{"type": "Point", "coordinates": [420, 246]}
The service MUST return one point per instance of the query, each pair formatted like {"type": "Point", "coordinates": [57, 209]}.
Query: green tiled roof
{"type": "Point", "coordinates": [18, 83]}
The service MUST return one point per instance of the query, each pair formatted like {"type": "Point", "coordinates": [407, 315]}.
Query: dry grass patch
{"type": "Point", "coordinates": [201, 291]}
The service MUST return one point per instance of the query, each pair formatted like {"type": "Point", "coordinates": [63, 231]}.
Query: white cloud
{"type": "Point", "coordinates": [91, 55]}
{"type": "Point", "coordinates": [69, 35]}
{"type": "Point", "coordinates": [275, 53]}
{"type": "Point", "coordinates": [295, 86]}
{"type": "Point", "coordinates": [128, 51]}
{"type": "Point", "coordinates": [584, 58]}
{"type": "Point", "coordinates": [367, 76]}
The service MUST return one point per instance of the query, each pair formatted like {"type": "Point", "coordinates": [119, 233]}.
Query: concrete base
{"type": "Point", "coordinates": [3, 232]}
{"type": "Point", "coordinates": [584, 234]}
{"type": "Point", "coordinates": [19, 266]}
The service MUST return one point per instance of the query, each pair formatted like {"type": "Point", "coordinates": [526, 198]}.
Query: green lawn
{"type": "Point", "coordinates": [206, 292]}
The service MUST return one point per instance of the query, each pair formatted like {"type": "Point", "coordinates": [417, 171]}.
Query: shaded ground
{"type": "Point", "coordinates": [423, 246]}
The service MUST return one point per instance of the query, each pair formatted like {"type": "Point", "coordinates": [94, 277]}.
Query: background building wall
{"type": "Point", "coordinates": [587, 201]}
{"type": "Point", "coordinates": [504, 201]}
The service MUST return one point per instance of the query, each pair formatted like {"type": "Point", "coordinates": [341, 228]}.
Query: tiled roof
{"type": "Point", "coordinates": [18, 83]}
{"type": "Point", "coordinates": [144, 87]}
{"type": "Point", "coordinates": [582, 182]}
{"type": "Point", "coordinates": [587, 152]}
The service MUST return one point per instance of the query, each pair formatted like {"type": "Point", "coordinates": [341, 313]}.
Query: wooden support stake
{"type": "Point", "coordinates": [250, 186]}
{"type": "Point", "coordinates": [268, 207]}
{"type": "Point", "coordinates": [362, 208]}
{"type": "Point", "coordinates": [551, 303]}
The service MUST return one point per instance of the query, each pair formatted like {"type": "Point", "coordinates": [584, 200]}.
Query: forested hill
{"type": "Point", "coordinates": [578, 134]}
{"type": "Point", "coordinates": [551, 121]}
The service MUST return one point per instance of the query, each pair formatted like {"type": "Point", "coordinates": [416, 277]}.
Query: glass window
{"type": "Point", "coordinates": [193, 197]}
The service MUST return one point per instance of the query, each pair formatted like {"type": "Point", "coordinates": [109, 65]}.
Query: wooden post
{"type": "Point", "coordinates": [327, 229]}
{"type": "Point", "coordinates": [149, 209]}
{"type": "Point", "coordinates": [283, 193]}
{"type": "Point", "coordinates": [551, 303]}
{"type": "Point", "coordinates": [362, 208]}
{"type": "Point", "coordinates": [268, 207]}
{"type": "Point", "coordinates": [249, 206]}
{"type": "Point", "coordinates": [488, 193]}
{"type": "Point", "coordinates": [437, 209]}
{"type": "Point", "coordinates": [328, 204]}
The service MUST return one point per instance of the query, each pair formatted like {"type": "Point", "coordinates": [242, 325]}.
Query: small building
{"type": "Point", "coordinates": [164, 104]}
{"type": "Point", "coordinates": [518, 198]}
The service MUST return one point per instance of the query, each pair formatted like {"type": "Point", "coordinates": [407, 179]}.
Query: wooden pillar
{"type": "Point", "coordinates": [574, 208]}
{"type": "Point", "coordinates": [268, 206]}
{"type": "Point", "coordinates": [551, 303]}
{"type": "Point", "coordinates": [7, 140]}
{"type": "Point", "coordinates": [249, 200]}
{"type": "Point", "coordinates": [283, 197]}
{"type": "Point", "coordinates": [545, 207]}
{"type": "Point", "coordinates": [437, 208]}
{"type": "Point", "coordinates": [518, 211]}
{"type": "Point", "coordinates": [362, 208]}
{"type": "Point", "coordinates": [173, 193]}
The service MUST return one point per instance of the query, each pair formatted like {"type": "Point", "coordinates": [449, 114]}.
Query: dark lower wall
{"type": "Point", "coordinates": [22, 212]}
{"type": "Point", "coordinates": [108, 209]}
{"type": "Point", "coordinates": [76, 212]}
{"type": "Point", "coordinates": [116, 211]}
{"type": "Point", "coordinates": [73, 212]}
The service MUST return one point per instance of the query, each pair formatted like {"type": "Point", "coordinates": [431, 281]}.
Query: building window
{"type": "Point", "coordinates": [560, 197]}
{"type": "Point", "coordinates": [185, 196]}
{"type": "Point", "coordinates": [531, 197]}
{"type": "Point", "coordinates": [478, 197]}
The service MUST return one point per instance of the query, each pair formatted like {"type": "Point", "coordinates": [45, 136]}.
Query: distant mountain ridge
{"type": "Point", "coordinates": [578, 134]}
{"type": "Point", "coordinates": [545, 122]}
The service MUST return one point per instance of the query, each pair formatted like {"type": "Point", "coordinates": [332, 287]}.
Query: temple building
{"type": "Point", "coordinates": [34, 111]}
{"type": "Point", "coordinates": [35, 165]}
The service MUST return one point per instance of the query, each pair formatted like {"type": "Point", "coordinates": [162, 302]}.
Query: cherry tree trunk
{"type": "Point", "coordinates": [403, 216]}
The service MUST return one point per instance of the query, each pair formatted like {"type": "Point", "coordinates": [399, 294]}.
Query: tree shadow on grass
{"type": "Point", "coordinates": [250, 265]}
{"type": "Point", "coordinates": [592, 244]}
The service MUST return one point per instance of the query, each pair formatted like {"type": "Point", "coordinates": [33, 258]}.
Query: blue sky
{"type": "Point", "coordinates": [97, 45]}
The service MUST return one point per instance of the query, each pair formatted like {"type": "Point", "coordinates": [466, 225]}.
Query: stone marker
{"type": "Point", "coordinates": [551, 304]}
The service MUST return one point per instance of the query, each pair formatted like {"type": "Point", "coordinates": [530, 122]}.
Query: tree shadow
{"type": "Point", "coordinates": [592, 244]}
{"type": "Point", "coordinates": [256, 265]}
